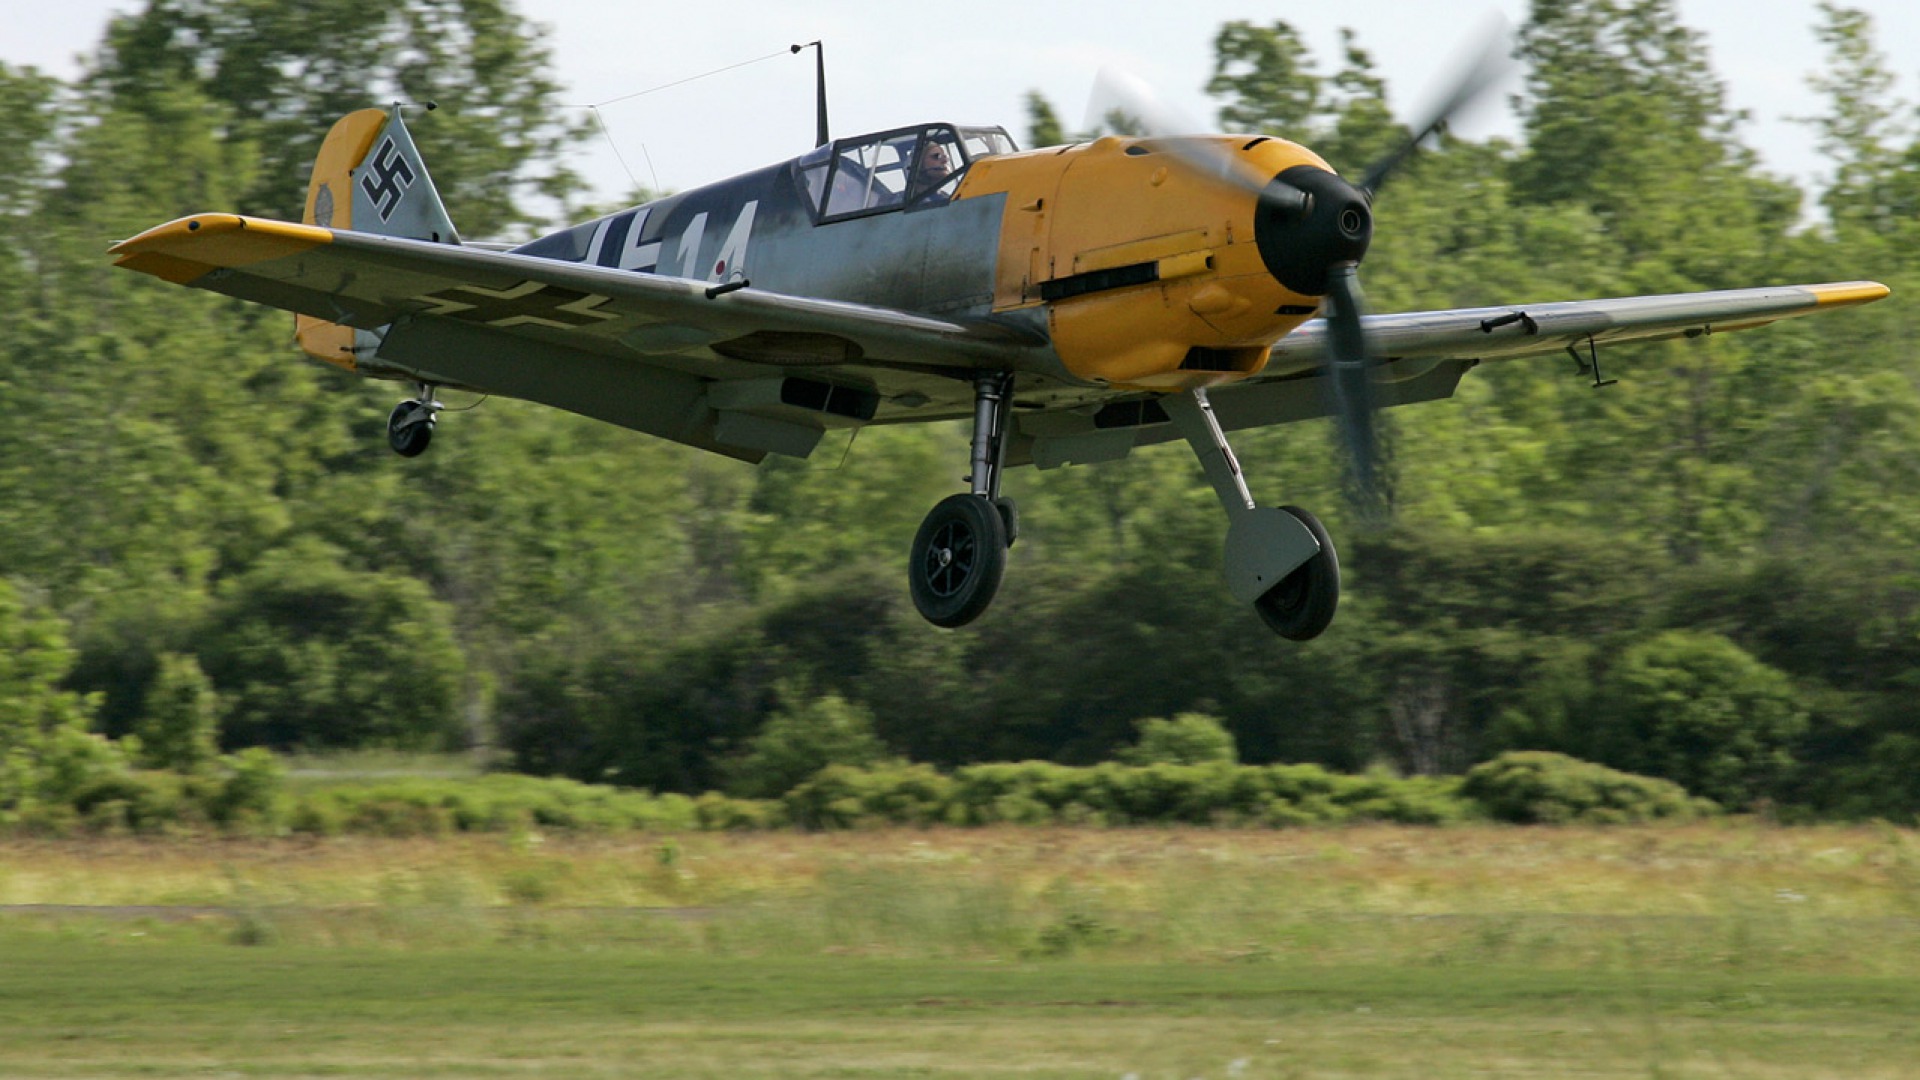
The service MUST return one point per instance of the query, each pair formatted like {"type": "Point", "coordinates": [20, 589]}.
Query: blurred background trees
{"type": "Point", "coordinates": [1705, 573]}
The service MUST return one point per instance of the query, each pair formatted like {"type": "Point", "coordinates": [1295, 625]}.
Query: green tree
{"type": "Point", "coordinates": [1265, 76]}
{"type": "Point", "coordinates": [31, 99]}
{"type": "Point", "coordinates": [1865, 124]}
{"type": "Point", "coordinates": [309, 652]}
{"type": "Point", "coordinates": [1623, 114]}
{"type": "Point", "coordinates": [284, 70]}
{"type": "Point", "coordinates": [1043, 123]}
{"type": "Point", "coordinates": [46, 752]}
{"type": "Point", "coordinates": [1699, 710]}
{"type": "Point", "coordinates": [180, 726]}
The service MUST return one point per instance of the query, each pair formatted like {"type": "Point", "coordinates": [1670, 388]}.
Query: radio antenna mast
{"type": "Point", "coordinates": [820, 82]}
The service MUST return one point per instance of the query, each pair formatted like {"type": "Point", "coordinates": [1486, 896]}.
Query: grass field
{"type": "Point", "coordinates": [1724, 950]}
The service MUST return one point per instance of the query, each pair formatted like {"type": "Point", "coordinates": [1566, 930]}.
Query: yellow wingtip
{"type": "Point", "coordinates": [182, 250]}
{"type": "Point", "coordinates": [1848, 292]}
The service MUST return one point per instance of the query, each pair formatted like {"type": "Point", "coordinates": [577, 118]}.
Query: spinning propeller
{"type": "Point", "coordinates": [1313, 228]}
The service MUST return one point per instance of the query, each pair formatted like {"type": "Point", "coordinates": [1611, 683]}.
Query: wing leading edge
{"type": "Point", "coordinates": [370, 281]}
{"type": "Point", "coordinates": [1519, 330]}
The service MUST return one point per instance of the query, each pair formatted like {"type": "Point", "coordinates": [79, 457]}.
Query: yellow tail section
{"type": "Point", "coordinates": [330, 206]}
{"type": "Point", "coordinates": [369, 178]}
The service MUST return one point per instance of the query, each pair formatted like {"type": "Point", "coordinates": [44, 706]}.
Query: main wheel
{"type": "Point", "coordinates": [1301, 606]}
{"type": "Point", "coordinates": [959, 556]}
{"type": "Point", "coordinates": [407, 436]}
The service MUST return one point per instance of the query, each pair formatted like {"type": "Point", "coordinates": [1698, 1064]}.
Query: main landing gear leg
{"type": "Point", "coordinates": [960, 553]}
{"type": "Point", "coordinates": [1279, 560]}
{"type": "Point", "coordinates": [410, 427]}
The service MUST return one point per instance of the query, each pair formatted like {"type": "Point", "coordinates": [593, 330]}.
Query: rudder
{"type": "Point", "coordinates": [368, 177]}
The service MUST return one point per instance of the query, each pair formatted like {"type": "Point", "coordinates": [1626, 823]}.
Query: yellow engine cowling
{"type": "Point", "coordinates": [1149, 268]}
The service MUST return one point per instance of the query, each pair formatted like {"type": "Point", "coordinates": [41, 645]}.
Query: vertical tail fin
{"type": "Point", "coordinates": [369, 177]}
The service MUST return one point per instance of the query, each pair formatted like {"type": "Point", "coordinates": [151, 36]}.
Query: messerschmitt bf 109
{"type": "Point", "coordinates": [1073, 302]}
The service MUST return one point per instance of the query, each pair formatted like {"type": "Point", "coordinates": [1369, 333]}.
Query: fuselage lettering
{"type": "Point", "coordinates": [731, 262]}
{"type": "Point", "coordinates": [629, 253]}
{"type": "Point", "coordinates": [689, 248]}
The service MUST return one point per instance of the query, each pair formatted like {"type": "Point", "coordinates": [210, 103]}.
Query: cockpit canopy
{"type": "Point", "coordinates": [892, 170]}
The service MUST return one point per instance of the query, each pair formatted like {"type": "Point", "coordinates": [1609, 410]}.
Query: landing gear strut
{"type": "Point", "coordinates": [1280, 560]}
{"type": "Point", "coordinates": [960, 553]}
{"type": "Point", "coordinates": [410, 426]}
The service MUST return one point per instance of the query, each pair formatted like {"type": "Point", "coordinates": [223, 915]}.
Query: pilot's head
{"type": "Point", "coordinates": [936, 164]}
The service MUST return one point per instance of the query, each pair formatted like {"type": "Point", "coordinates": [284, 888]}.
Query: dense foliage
{"type": "Point", "coordinates": [1704, 573]}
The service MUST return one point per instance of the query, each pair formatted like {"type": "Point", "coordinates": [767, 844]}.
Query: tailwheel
{"type": "Point", "coordinates": [1301, 606]}
{"type": "Point", "coordinates": [410, 425]}
{"type": "Point", "coordinates": [959, 556]}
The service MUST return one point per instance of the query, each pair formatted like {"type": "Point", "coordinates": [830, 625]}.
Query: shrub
{"type": "Point", "coordinates": [250, 794]}
{"type": "Point", "coordinates": [715, 812]}
{"type": "Point", "coordinates": [1187, 739]}
{"type": "Point", "coordinates": [46, 754]}
{"type": "Point", "coordinates": [997, 792]}
{"type": "Point", "coordinates": [1533, 786]}
{"type": "Point", "coordinates": [801, 738]}
{"type": "Point", "coordinates": [839, 797]}
{"type": "Point", "coordinates": [1035, 792]}
{"type": "Point", "coordinates": [141, 802]}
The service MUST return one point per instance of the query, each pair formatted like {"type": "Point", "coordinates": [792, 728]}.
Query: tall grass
{"type": "Point", "coordinates": [1730, 893]}
{"type": "Point", "coordinates": [1721, 949]}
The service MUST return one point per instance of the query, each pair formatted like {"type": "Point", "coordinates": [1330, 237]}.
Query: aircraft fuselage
{"type": "Point", "coordinates": [1138, 272]}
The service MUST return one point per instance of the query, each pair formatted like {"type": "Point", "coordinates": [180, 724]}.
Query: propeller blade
{"type": "Point", "coordinates": [1476, 69]}
{"type": "Point", "coordinates": [1352, 388]}
{"type": "Point", "coordinates": [1123, 100]}
{"type": "Point", "coordinates": [1127, 102]}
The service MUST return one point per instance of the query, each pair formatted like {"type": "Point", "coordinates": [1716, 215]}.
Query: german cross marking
{"type": "Point", "coordinates": [529, 303]}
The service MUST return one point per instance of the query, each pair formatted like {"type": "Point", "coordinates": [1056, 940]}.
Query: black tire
{"type": "Point", "coordinates": [959, 556]}
{"type": "Point", "coordinates": [409, 440]}
{"type": "Point", "coordinates": [1301, 607]}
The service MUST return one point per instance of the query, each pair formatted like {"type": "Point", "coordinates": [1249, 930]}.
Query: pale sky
{"type": "Point", "coordinates": [893, 64]}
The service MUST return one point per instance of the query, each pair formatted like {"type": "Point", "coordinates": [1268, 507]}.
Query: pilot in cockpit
{"type": "Point", "coordinates": [932, 167]}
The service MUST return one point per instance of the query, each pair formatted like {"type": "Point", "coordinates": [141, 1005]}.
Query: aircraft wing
{"type": "Point", "coordinates": [723, 369]}
{"type": "Point", "coordinates": [1501, 333]}
{"type": "Point", "coordinates": [368, 281]}
{"type": "Point", "coordinates": [683, 360]}
{"type": "Point", "coordinates": [1423, 354]}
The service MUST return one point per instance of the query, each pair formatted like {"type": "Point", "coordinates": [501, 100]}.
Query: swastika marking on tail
{"type": "Point", "coordinates": [387, 180]}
